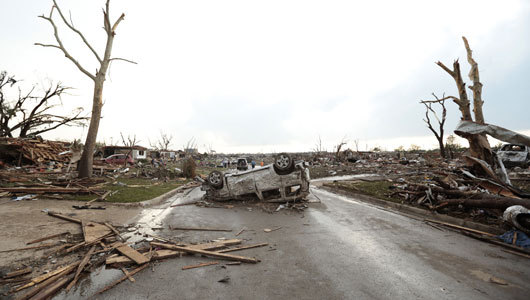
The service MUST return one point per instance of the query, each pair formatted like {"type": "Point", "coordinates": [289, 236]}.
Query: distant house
{"type": "Point", "coordinates": [191, 151]}
{"type": "Point", "coordinates": [138, 152]}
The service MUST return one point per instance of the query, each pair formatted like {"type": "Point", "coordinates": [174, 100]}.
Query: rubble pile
{"type": "Point", "coordinates": [34, 151]}
{"type": "Point", "coordinates": [104, 244]}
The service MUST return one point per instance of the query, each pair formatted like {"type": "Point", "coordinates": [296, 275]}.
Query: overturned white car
{"type": "Point", "coordinates": [282, 181]}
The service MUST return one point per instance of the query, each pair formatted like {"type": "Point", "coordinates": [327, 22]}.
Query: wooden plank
{"type": "Point", "coordinates": [53, 288]}
{"type": "Point", "coordinates": [48, 237]}
{"type": "Point", "coordinates": [42, 285]}
{"type": "Point", "coordinates": [460, 227]}
{"type": "Point", "coordinates": [69, 268]}
{"type": "Point", "coordinates": [200, 265]}
{"type": "Point", "coordinates": [241, 231]}
{"type": "Point", "coordinates": [131, 279]}
{"type": "Point", "coordinates": [18, 273]}
{"type": "Point", "coordinates": [199, 229]}
{"type": "Point", "coordinates": [243, 248]}
{"type": "Point", "coordinates": [66, 218]}
{"type": "Point", "coordinates": [136, 256]}
{"type": "Point", "coordinates": [114, 230]}
{"type": "Point", "coordinates": [52, 190]}
{"type": "Point", "coordinates": [122, 279]}
{"type": "Point", "coordinates": [209, 253]}
{"type": "Point", "coordinates": [81, 266]}
{"type": "Point", "coordinates": [95, 231]}
{"type": "Point", "coordinates": [163, 254]}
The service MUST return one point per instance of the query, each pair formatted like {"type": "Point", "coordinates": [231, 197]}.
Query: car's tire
{"type": "Point", "coordinates": [215, 179]}
{"type": "Point", "coordinates": [283, 164]}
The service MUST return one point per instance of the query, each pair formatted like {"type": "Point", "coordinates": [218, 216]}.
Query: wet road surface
{"type": "Point", "coordinates": [337, 249]}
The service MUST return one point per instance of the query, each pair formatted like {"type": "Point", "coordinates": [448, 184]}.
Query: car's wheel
{"type": "Point", "coordinates": [215, 179]}
{"type": "Point", "coordinates": [283, 164]}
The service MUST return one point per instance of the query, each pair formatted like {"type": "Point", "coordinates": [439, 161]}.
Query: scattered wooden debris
{"type": "Point", "coordinates": [17, 273]}
{"type": "Point", "coordinates": [243, 248]}
{"type": "Point", "coordinates": [199, 229]}
{"type": "Point", "coordinates": [271, 230]}
{"type": "Point", "coordinates": [48, 237]}
{"type": "Point", "coordinates": [200, 265]}
{"type": "Point", "coordinates": [210, 253]}
{"type": "Point", "coordinates": [136, 256]}
{"type": "Point", "coordinates": [125, 277]}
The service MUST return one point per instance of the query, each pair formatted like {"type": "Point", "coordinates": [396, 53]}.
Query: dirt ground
{"type": "Point", "coordinates": [24, 221]}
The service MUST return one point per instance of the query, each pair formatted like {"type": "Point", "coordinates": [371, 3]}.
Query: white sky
{"type": "Point", "coordinates": [262, 76]}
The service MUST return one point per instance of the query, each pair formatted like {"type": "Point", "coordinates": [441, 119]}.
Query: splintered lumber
{"type": "Point", "coordinates": [460, 227]}
{"type": "Point", "coordinates": [131, 279]}
{"type": "Point", "coordinates": [199, 229]}
{"type": "Point", "coordinates": [66, 269]}
{"type": "Point", "coordinates": [32, 247]}
{"type": "Point", "coordinates": [52, 288]}
{"type": "Point", "coordinates": [108, 287]}
{"type": "Point", "coordinates": [66, 218]}
{"type": "Point", "coordinates": [136, 256]}
{"type": "Point", "coordinates": [17, 273]}
{"type": "Point", "coordinates": [243, 248]}
{"type": "Point", "coordinates": [200, 265]}
{"type": "Point", "coordinates": [113, 230]}
{"type": "Point", "coordinates": [47, 238]}
{"type": "Point", "coordinates": [43, 285]}
{"type": "Point", "coordinates": [100, 198]}
{"type": "Point", "coordinates": [157, 255]}
{"type": "Point", "coordinates": [95, 231]}
{"type": "Point", "coordinates": [208, 253]}
{"type": "Point", "coordinates": [81, 266]}
{"type": "Point", "coordinates": [495, 202]}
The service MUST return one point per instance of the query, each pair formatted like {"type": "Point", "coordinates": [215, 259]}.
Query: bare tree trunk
{"type": "Point", "coordinates": [85, 164]}
{"type": "Point", "coordinates": [87, 158]}
{"type": "Point", "coordinates": [478, 144]}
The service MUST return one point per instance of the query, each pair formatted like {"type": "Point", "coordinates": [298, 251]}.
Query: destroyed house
{"type": "Point", "coordinates": [136, 152]}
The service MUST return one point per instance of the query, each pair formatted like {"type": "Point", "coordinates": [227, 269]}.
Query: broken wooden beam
{"type": "Point", "coordinates": [243, 248]}
{"type": "Point", "coordinates": [81, 266]}
{"type": "Point", "coordinates": [108, 287]}
{"type": "Point", "coordinates": [136, 256]}
{"type": "Point", "coordinates": [208, 253]}
{"type": "Point", "coordinates": [48, 237]}
{"type": "Point", "coordinates": [17, 273]}
{"type": "Point", "coordinates": [199, 229]}
{"type": "Point", "coordinates": [460, 227]}
{"type": "Point", "coordinates": [131, 279]}
{"type": "Point", "coordinates": [200, 265]}
{"type": "Point", "coordinates": [63, 270]}
{"type": "Point", "coordinates": [66, 218]}
{"type": "Point", "coordinates": [51, 190]}
{"type": "Point", "coordinates": [52, 288]}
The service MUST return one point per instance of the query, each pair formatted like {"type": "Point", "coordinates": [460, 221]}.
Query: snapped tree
{"type": "Point", "coordinates": [85, 164]}
{"type": "Point", "coordinates": [30, 114]}
{"type": "Point", "coordinates": [478, 144]}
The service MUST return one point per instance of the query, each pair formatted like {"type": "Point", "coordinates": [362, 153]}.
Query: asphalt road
{"type": "Point", "coordinates": [337, 249]}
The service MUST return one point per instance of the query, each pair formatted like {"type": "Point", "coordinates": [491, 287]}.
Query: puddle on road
{"type": "Point", "coordinates": [153, 217]}
{"type": "Point", "coordinates": [89, 285]}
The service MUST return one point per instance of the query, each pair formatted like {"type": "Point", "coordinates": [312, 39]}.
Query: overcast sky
{"type": "Point", "coordinates": [262, 76]}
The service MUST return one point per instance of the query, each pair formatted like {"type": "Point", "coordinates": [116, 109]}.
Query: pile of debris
{"type": "Point", "coordinates": [103, 244]}
{"type": "Point", "coordinates": [34, 151]}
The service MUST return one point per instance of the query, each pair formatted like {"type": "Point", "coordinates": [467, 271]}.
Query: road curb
{"type": "Point", "coordinates": [416, 212]}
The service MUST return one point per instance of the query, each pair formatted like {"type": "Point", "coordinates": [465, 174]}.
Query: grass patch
{"type": "Point", "coordinates": [376, 189]}
{"type": "Point", "coordinates": [132, 190]}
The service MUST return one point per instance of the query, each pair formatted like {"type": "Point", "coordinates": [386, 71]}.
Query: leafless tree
{"type": "Point", "coordinates": [29, 113]}
{"type": "Point", "coordinates": [318, 147]}
{"type": "Point", "coordinates": [356, 142]}
{"type": "Point", "coordinates": [130, 143]}
{"type": "Point", "coordinates": [85, 164]}
{"type": "Point", "coordinates": [339, 147]}
{"type": "Point", "coordinates": [441, 121]}
{"type": "Point", "coordinates": [163, 142]}
{"type": "Point", "coordinates": [190, 145]}
{"type": "Point", "coordinates": [478, 144]}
